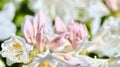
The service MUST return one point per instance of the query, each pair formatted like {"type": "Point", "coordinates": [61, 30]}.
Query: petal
{"type": "Point", "coordinates": [58, 41]}
{"type": "Point", "coordinates": [28, 30]}
{"type": "Point", "coordinates": [43, 60]}
{"type": "Point", "coordinates": [8, 11]}
{"type": "Point", "coordinates": [114, 5]}
{"type": "Point", "coordinates": [59, 26]}
{"type": "Point", "coordinates": [83, 31]}
{"type": "Point", "coordinates": [77, 33]}
{"type": "Point", "coordinates": [7, 29]}
{"type": "Point", "coordinates": [68, 59]}
{"type": "Point", "coordinates": [38, 21]}
{"type": "Point", "coordinates": [77, 29]}
{"type": "Point", "coordinates": [40, 38]}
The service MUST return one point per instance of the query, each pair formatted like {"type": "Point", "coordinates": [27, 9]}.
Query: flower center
{"type": "Point", "coordinates": [16, 44]}
{"type": "Point", "coordinates": [45, 64]}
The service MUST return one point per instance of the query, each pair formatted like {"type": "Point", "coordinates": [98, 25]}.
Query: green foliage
{"type": "Point", "coordinates": [20, 15]}
{"type": "Point", "coordinates": [88, 24]}
{"type": "Point", "coordinates": [2, 2]}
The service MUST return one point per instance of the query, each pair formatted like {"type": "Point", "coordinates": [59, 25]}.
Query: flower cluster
{"type": "Point", "coordinates": [85, 34]}
{"type": "Point", "coordinates": [40, 49]}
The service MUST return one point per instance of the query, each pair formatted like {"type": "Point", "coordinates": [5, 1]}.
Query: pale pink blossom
{"type": "Point", "coordinates": [71, 35]}
{"type": "Point", "coordinates": [113, 4]}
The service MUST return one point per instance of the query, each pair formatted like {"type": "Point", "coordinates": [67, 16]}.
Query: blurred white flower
{"type": "Point", "coordinates": [107, 40]}
{"type": "Point", "coordinates": [7, 28]}
{"type": "Point", "coordinates": [8, 11]}
{"type": "Point", "coordinates": [66, 9]}
{"type": "Point", "coordinates": [93, 10]}
{"type": "Point", "coordinates": [16, 50]}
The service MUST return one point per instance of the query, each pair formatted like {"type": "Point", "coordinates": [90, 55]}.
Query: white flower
{"type": "Point", "coordinates": [7, 28]}
{"type": "Point", "coordinates": [65, 9]}
{"type": "Point", "coordinates": [16, 50]}
{"type": "Point", "coordinates": [107, 40]}
{"type": "Point", "coordinates": [94, 10]}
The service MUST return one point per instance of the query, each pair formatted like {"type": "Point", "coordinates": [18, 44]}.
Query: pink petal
{"type": "Point", "coordinates": [113, 4]}
{"type": "Point", "coordinates": [73, 27]}
{"type": "Point", "coordinates": [83, 31]}
{"type": "Point", "coordinates": [58, 41]}
{"type": "Point", "coordinates": [59, 26]}
{"type": "Point", "coordinates": [40, 38]}
{"type": "Point", "coordinates": [38, 21]}
{"type": "Point", "coordinates": [77, 33]}
{"type": "Point", "coordinates": [28, 30]}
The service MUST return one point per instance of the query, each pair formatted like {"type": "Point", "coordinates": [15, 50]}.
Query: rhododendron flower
{"type": "Point", "coordinates": [16, 50]}
{"type": "Point", "coordinates": [70, 37]}
{"type": "Point", "coordinates": [35, 34]}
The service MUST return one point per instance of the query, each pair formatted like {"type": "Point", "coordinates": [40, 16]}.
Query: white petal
{"type": "Point", "coordinates": [7, 29]}
{"type": "Point", "coordinates": [8, 11]}
{"type": "Point", "coordinates": [46, 59]}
